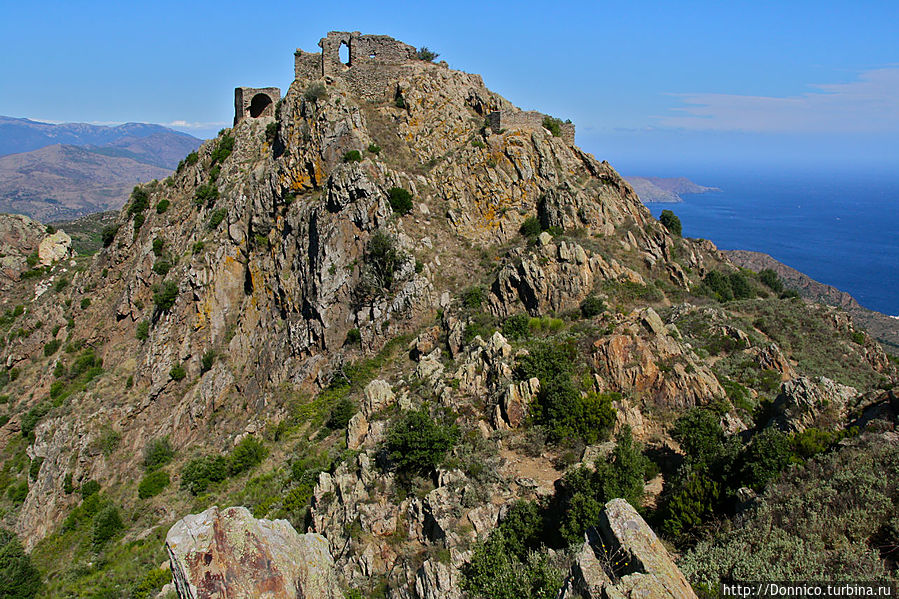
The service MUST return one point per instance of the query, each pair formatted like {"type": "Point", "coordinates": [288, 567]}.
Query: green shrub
{"type": "Point", "coordinates": [162, 206]}
{"type": "Point", "coordinates": [315, 92]}
{"type": "Point", "coordinates": [140, 201]}
{"type": "Point", "coordinates": [153, 483]}
{"type": "Point", "coordinates": [189, 160]}
{"type": "Point", "coordinates": [271, 131]}
{"type": "Point", "coordinates": [496, 572]}
{"type": "Point", "coordinates": [198, 247]}
{"type": "Point", "coordinates": [162, 266]}
{"type": "Point", "coordinates": [150, 585]}
{"type": "Point", "coordinates": [206, 194]}
{"type": "Point", "coordinates": [157, 453]}
{"type": "Point", "coordinates": [138, 223]}
{"type": "Point", "coordinates": [106, 524]}
{"type": "Point", "coordinates": [416, 443]}
{"type": "Point", "coordinates": [17, 492]}
{"type": "Point", "coordinates": [530, 227]}
{"type": "Point", "coordinates": [85, 303]}
{"type": "Point", "coordinates": [858, 337]}
{"type": "Point", "coordinates": [216, 218]}
{"type": "Point", "coordinates": [382, 259]}
{"type": "Point", "coordinates": [352, 156]}
{"type": "Point", "coordinates": [223, 149]}
{"type": "Point", "coordinates": [158, 245]}
{"type": "Point", "coordinates": [208, 360]}
{"type": "Point", "coordinates": [425, 54]}
{"type": "Point", "coordinates": [766, 457]}
{"type": "Point", "coordinates": [592, 306]}
{"type": "Point", "coordinates": [400, 200]}
{"type": "Point", "coordinates": [21, 579]}
{"type": "Point", "coordinates": [516, 327]}
{"type": "Point", "coordinates": [164, 295]}
{"type": "Point", "coordinates": [35, 468]}
{"type": "Point", "coordinates": [770, 278]}
{"type": "Point", "coordinates": [374, 148]}
{"type": "Point", "coordinates": [142, 332]}
{"type": "Point", "coordinates": [671, 222]}
{"type": "Point", "coordinates": [88, 488]}
{"type": "Point", "coordinates": [353, 336]}
{"type": "Point", "coordinates": [245, 455]}
{"type": "Point", "coordinates": [33, 416]}
{"type": "Point", "coordinates": [51, 347]}
{"type": "Point", "coordinates": [177, 373]}
{"type": "Point", "coordinates": [61, 284]}
{"type": "Point", "coordinates": [199, 473]}
{"type": "Point", "coordinates": [473, 297]}
{"type": "Point", "coordinates": [341, 414]}
{"type": "Point", "coordinates": [108, 234]}
{"type": "Point", "coordinates": [553, 125]}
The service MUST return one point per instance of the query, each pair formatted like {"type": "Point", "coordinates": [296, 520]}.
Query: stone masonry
{"type": "Point", "coordinates": [255, 102]}
{"type": "Point", "coordinates": [515, 119]}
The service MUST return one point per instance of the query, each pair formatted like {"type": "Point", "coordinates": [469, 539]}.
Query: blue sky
{"type": "Point", "coordinates": [653, 87]}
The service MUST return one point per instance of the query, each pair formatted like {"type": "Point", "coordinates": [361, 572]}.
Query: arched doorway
{"type": "Point", "coordinates": [259, 105]}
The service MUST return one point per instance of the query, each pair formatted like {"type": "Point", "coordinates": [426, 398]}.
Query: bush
{"type": "Point", "coordinates": [157, 453]}
{"type": "Point", "coordinates": [207, 361]}
{"type": "Point", "coordinates": [162, 206]}
{"type": "Point", "coordinates": [199, 473]}
{"type": "Point", "coordinates": [106, 524]}
{"type": "Point", "coordinates": [315, 92]}
{"type": "Point", "coordinates": [33, 416]}
{"type": "Point", "coordinates": [245, 455]}
{"type": "Point", "coordinates": [51, 347]}
{"type": "Point", "coordinates": [206, 194]}
{"type": "Point", "coordinates": [189, 160]}
{"type": "Point", "coordinates": [85, 303]}
{"type": "Point", "coordinates": [108, 234]}
{"type": "Point", "coordinates": [770, 279]}
{"type": "Point", "coordinates": [158, 245]}
{"type": "Point", "coordinates": [153, 483]}
{"type": "Point", "coordinates": [21, 580]}
{"type": "Point", "coordinates": [216, 218]}
{"type": "Point", "coordinates": [592, 306]}
{"type": "Point", "coordinates": [177, 373]}
{"type": "Point", "coordinates": [384, 258]}
{"type": "Point", "coordinates": [271, 131]}
{"type": "Point", "coordinates": [88, 488]}
{"type": "Point", "coordinates": [60, 285]}
{"type": "Point", "coordinates": [426, 54]}
{"type": "Point", "coordinates": [671, 222]}
{"type": "Point", "coordinates": [473, 297]}
{"type": "Point", "coordinates": [400, 200]}
{"type": "Point", "coordinates": [530, 227]}
{"type": "Point", "coordinates": [162, 267]}
{"type": "Point", "coordinates": [164, 296]}
{"type": "Point", "coordinates": [352, 156]}
{"type": "Point", "coordinates": [142, 332]}
{"type": "Point", "coordinates": [353, 336]}
{"type": "Point", "coordinates": [496, 572]}
{"type": "Point", "coordinates": [17, 492]}
{"type": "Point", "coordinates": [341, 414]}
{"type": "Point", "coordinates": [374, 148]}
{"type": "Point", "coordinates": [516, 327]}
{"type": "Point", "coordinates": [553, 125]}
{"type": "Point", "coordinates": [140, 201]}
{"type": "Point", "coordinates": [767, 455]}
{"type": "Point", "coordinates": [416, 443]}
{"type": "Point", "coordinates": [198, 247]}
{"type": "Point", "coordinates": [223, 149]}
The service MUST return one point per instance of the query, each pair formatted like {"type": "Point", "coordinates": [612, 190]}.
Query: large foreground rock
{"type": "Point", "coordinates": [228, 553]}
{"type": "Point", "coordinates": [623, 558]}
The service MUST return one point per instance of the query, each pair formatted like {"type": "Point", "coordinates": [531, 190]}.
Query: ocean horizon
{"type": "Point", "coordinates": [840, 228]}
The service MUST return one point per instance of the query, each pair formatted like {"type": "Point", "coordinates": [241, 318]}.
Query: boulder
{"type": "Point", "coordinates": [377, 396]}
{"type": "Point", "coordinates": [228, 553]}
{"type": "Point", "coordinates": [623, 557]}
{"type": "Point", "coordinates": [818, 402]}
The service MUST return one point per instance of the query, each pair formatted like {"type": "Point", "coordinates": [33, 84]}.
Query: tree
{"type": "Point", "coordinates": [400, 200]}
{"type": "Point", "coordinates": [21, 580]}
{"type": "Point", "coordinates": [425, 54]}
{"type": "Point", "coordinates": [416, 443]}
{"type": "Point", "coordinates": [671, 222]}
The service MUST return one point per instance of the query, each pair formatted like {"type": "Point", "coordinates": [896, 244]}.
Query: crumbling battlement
{"type": "Point", "coordinates": [510, 119]}
{"type": "Point", "coordinates": [255, 102]}
{"type": "Point", "coordinates": [373, 61]}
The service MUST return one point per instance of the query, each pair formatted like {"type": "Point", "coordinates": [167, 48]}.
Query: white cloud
{"type": "Point", "coordinates": [179, 124]}
{"type": "Point", "coordinates": [867, 105]}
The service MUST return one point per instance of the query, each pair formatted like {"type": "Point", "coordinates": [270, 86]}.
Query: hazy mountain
{"type": "Point", "coordinates": [665, 189]}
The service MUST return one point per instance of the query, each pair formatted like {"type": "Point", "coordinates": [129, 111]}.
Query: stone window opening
{"type": "Point", "coordinates": [343, 53]}
{"type": "Point", "coordinates": [259, 104]}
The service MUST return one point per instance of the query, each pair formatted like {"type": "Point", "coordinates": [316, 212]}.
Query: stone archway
{"type": "Point", "coordinates": [260, 105]}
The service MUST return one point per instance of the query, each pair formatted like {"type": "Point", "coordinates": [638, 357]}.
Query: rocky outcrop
{"type": "Point", "coordinates": [53, 247]}
{"type": "Point", "coordinates": [623, 558]}
{"type": "Point", "coordinates": [220, 554]}
{"type": "Point", "coordinates": [818, 402]}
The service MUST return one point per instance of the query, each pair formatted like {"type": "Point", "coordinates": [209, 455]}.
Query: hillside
{"type": "Point", "coordinates": [449, 347]}
{"type": "Point", "coordinates": [882, 326]}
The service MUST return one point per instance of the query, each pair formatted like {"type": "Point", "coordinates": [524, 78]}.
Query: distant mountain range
{"type": "Point", "coordinates": [53, 172]}
{"type": "Point", "coordinates": [665, 189]}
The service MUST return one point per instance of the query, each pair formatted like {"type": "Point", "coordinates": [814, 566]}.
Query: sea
{"type": "Point", "coordinates": [840, 228]}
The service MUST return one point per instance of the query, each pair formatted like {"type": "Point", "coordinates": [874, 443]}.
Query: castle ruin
{"type": "Point", "coordinates": [374, 64]}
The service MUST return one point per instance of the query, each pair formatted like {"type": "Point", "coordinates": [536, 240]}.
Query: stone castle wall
{"type": "Point", "coordinates": [530, 119]}
{"type": "Point", "coordinates": [255, 102]}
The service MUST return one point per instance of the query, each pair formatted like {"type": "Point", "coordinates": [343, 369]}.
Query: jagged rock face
{"type": "Point", "coordinates": [623, 557]}
{"type": "Point", "coordinates": [228, 553]}
{"type": "Point", "coordinates": [818, 402]}
{"type": "Point", "coordinates": [19, 237]}
{"type": "Point", "coordinates": [643, 357]}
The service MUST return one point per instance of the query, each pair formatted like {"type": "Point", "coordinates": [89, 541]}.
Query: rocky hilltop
{"type": "Point", "coordinates": [665, 189]}
{"type": "Point", "coordinates": [450, 348]}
